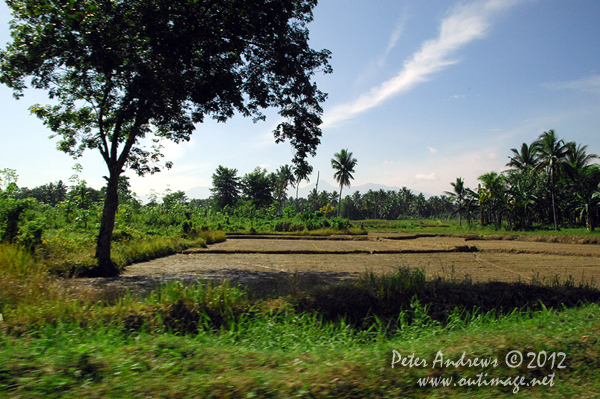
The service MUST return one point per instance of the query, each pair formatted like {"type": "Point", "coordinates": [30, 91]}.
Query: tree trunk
{"type": "Point", "coordinates": [340, 201]}
{"type": "Point", "coordinates": [106, 267]}
{"type": "Point", "coordinates": [556, 228]}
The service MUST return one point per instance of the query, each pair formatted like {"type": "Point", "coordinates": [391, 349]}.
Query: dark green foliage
{"type": "Point", "coordinates": [30, 235]}
{"type": "Point", "coordinates": [258, 186]}
{"type": "Point", "coordinates": [176, 198]}
{"type": "Point", "coordinates": [391, 205]}
{"type": "Point", "coordinates": [51, 193]}
{"type": "Point", "coordinates": [11, 212]}
{"type": "Point", "coordinates": [225, 187]}
{"type": "Point", "coordinates": [17, 224]}
{"type": "Point", "coordinates": [552, 183]}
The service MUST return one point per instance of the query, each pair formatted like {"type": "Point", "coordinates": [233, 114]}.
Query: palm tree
{"type": "Point", "coordinates": [525, 159]}
{"type": "Point", "coordinates": [577, 157]}
{"type": "Point", "coordinates": [343, 163]}
{"type": "Point", "coordinates": [458, 194]}
{"type": "Point", "coordinates": [552, 153]}
{"type": "Point", "coordinates": [301, 172]}
{"type": "Point", "coordinates": [284, 178]}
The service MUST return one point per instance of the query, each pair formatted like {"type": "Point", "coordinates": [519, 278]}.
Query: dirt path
{"type": "Point", "coordinates": [247, 259]}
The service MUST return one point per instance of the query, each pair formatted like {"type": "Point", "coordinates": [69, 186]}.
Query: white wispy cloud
{"type": "Point", "coordinates": [590, 84]}
{"type": "Point", "coordinates": [432, 150]}
{"type": "Point", "coordinates": [432, 176]}
{"type": "Point", "coordinates": [394, 37]}
{"type": "Point", "coordinates": [464, 24]}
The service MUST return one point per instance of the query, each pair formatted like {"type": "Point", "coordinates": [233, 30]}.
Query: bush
{"type": "Point", "coordinates": [11, 215]}
{"type": "Point", "coordinates": [30, 234]}
{"type": "Point", "coordinates": [126, 234]}
{"type": "Point", "coordinates": [343, 224]}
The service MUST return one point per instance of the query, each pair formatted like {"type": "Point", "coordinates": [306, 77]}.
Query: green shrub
{"type": "Point", "coordinates": [126, 234]}
{"type": "Point", "coordinates": [12, 212]}
{"type": "Point", "coordinates": [30, 234]}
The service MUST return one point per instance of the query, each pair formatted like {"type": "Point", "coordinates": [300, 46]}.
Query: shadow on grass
{"type": "Point", "coordinates": [407, 294]}
{"type": "Point", "coordinates": [186, 304]}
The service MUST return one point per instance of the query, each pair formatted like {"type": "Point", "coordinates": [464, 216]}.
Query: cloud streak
{"type": "Point", "coordinates": [394, 38]}
{"type": "Point", "coordinates": [464, 24]}
{"type": "Point", "coordinates": [590, 84]}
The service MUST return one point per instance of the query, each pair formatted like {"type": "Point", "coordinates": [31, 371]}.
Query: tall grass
{"type": "Point", "coordinates": [17, 263]}
{"type": "Point", "coordinates": [22, 279]}
{"type": "Point", "coordinates": [73, 255]}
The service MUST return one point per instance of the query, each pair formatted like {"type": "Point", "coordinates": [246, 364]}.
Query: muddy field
{"type": "Point", "coordinates": [251, 258]}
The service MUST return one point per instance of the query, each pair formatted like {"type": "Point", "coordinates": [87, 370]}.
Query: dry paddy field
{"type": "Point", "coordinates": [249, 259]}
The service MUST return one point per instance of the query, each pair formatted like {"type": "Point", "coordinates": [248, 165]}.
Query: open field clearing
{"type": "Point", "coordinates": [253, 259]}
{"type": "Point", "coordinates": [290, 332]}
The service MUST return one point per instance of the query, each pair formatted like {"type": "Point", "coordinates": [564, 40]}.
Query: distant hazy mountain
{"type": "Point", "coordinates": [198, 192]}
{"type": "Point", "coordinates": [204, 192]}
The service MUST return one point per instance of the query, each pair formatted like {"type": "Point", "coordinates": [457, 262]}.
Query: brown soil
{"type": "Point", "coordinates": [252, 258]}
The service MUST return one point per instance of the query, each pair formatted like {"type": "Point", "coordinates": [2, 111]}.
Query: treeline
{"type": "Point", "coordinates": [551, 182]}
{"type": "Point", "coordinates": [264, 189]}
{"type": "Point", "coordinates": [56, 212]}
{"type": "Point", "coordinates": [26, 213]}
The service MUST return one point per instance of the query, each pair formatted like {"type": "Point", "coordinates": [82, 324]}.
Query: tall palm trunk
{"type": "Point", "coordinates": [556, 228]}
{"type": "Point", "coordinates": [589, 220]}
{"type": "Point", "coordinates": [340, 200]}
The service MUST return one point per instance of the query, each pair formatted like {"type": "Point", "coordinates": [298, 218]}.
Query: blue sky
{"type": "Point", "coordinates": [422, 92]}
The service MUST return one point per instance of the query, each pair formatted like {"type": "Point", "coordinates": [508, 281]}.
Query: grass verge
{"type": "Point", "coordinates": [336, 341]}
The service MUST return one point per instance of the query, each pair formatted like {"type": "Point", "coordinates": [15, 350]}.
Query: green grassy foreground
{"type": "Point", "coordinates": [300, 357]}
{"type": "Point", "coordinates": [294, 339]}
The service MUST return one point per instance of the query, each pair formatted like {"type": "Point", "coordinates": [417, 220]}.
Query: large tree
{"type": "Point", "coordinates": [258, 186]}
{"type": "Point", "coordinates": [225, 187]}
{"type": "Point", "coordinates": [343, 164]}
{"type": "Point", "coordinates": [122, 70]}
